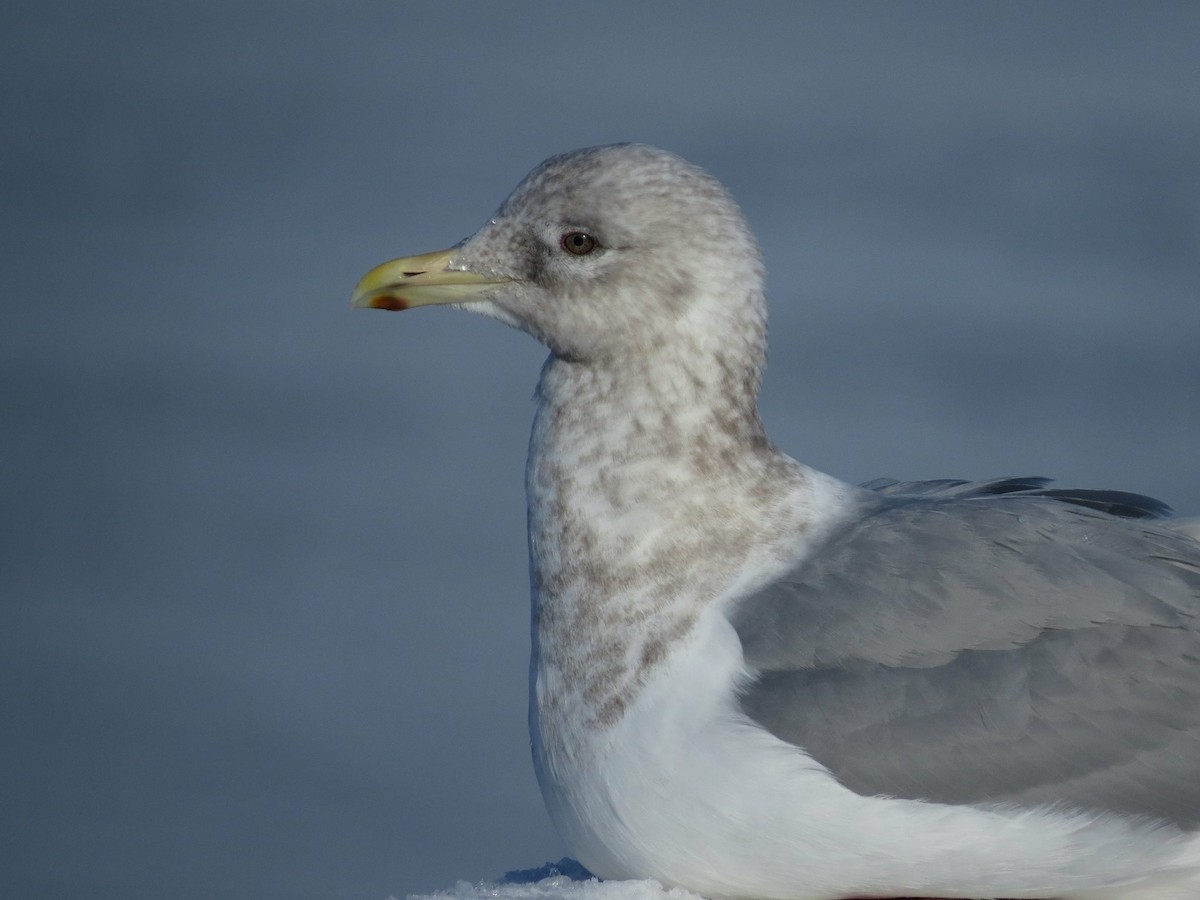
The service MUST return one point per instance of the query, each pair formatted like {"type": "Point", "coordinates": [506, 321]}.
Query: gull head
{"type": "Point", "coordinates": [600, 253]}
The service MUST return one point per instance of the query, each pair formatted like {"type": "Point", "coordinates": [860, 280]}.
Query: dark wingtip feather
{"type": "Point", "coordinates": [1117, 503]}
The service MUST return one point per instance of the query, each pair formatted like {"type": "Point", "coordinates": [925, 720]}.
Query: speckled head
{"type": "Point", "coordinates": [600, 253]}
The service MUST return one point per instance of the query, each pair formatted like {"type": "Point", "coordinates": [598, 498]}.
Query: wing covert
{"type": "Point", "coordinates": [964, 645]}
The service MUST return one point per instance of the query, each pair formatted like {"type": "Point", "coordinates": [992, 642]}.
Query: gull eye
{"type": "Point", "coordinates": [578, 243]}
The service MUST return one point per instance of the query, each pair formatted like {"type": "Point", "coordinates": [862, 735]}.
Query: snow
{"type": "Point", "coordinates": [563, 880]}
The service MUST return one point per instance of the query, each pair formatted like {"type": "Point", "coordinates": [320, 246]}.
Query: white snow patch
{"type": "Point", "coordinates": [560, 887]}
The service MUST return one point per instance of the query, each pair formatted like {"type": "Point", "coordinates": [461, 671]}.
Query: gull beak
{"type": "Point", "coordinates": [422, 280]}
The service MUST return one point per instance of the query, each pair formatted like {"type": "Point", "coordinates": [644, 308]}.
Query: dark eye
{"type": "Point", "coordinates": [578, 243]}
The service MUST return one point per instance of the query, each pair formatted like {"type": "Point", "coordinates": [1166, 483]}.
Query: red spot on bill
{"type": "Point", "coordinates": [389, 301]}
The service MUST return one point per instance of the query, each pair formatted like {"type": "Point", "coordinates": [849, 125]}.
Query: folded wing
{"type": "Point", "coordinates": [991, 642]}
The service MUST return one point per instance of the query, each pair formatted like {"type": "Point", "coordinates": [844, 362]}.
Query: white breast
{"type": "Point", "coordinates": [686, 790]}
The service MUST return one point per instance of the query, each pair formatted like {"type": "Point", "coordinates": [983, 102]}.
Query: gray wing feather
{"type": "Point", "coordinates": [997, 642]}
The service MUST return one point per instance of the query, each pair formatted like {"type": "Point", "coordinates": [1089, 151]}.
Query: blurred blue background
{"type": "Point", "coordinates": [263, 599]}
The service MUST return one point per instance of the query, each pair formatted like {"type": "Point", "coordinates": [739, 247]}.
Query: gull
{"type": "Point", "coordinates": [751, 679]}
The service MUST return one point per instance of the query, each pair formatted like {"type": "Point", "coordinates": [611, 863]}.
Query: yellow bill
{"type": "Point", "coordinates": [421, 280]}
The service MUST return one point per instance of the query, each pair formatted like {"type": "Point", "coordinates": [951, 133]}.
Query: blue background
{"type": "Point", "coordinates": [263, 597]}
